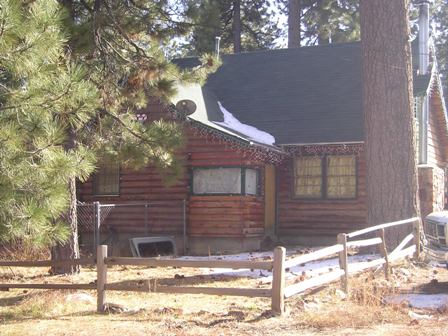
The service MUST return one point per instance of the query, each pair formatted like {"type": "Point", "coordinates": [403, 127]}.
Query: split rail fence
{"type": "Point", "coordinates": [278, 292]}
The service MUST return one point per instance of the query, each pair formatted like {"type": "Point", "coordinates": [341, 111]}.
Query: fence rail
{"type": "Point", "coordinates": [345, 267]}
{"type": "Point", "coordinates": [262, 265]}
{"type": "Point", "coordinates": [278, 292]}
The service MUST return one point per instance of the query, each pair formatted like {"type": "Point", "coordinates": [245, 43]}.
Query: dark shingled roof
{"type": "Point", "coordinates": [304, 95]}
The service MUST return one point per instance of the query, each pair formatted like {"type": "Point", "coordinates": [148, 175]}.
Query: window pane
{"type": "Point", "coordinates": [217, 181]}
{"type": "Point", "coordinates": [341, 176]}
{"type": "Point", "coordinates": [308, 173]}
{"type": "Point", "coordinates": [251, 181]}
{"type": "Point", "coordinates": [106, 180]}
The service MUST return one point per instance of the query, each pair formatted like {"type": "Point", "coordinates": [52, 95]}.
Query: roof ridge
{"type": "Point", "coordinates": [265, 51]}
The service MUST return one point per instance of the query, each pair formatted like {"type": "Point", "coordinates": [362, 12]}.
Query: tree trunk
{"type": "Point", "coordinates": [323, 31]}
{"type": "Point", "coordinates": [392, 185]}
{"type": "Point", "coordinates": [70, 249]}
{"type": "Point", "coordinates": [236, 26]}
{"type": "Point", "coordinates": [294, 24]}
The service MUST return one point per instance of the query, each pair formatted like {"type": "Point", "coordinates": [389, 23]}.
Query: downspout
{"type": "Point", "coordinates": [423, 50]}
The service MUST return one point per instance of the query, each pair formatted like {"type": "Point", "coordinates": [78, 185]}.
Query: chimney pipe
{"type": "Point", "coordinates": [217, 41]}
{"type": "Point", "coordinates": [423, 65]}
{"type": "Point", "coordinates": [423, 37]}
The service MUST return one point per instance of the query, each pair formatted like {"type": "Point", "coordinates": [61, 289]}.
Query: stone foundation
{"type": "Point", "coordinates": [431, 181]}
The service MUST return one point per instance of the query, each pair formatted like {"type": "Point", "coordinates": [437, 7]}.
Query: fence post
{"type": "Point", "coordinates": [278, 281]}
{"type": "Point", "coordinates": [383, 248]}
{"type": "Point", "coordinates": [343, 261]}
{"type": "Point", "coordinates": [417, 233]}
{"type": "Point", "coordinates": [101, 277]}
{"type": "Point", "coordinates": [96, 234]}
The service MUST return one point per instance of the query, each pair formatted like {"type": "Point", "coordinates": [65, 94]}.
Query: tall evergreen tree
{"type": "Point", "coordinates": [324, 21]}
{"type": "Point", "coordinates": [392, 186]}
{"type": "Point", "coordinates": [41, 92]}
{"type": "Point", "coordinates": [120, 45]}
{"type": "Point", "coordinates": [253, 26]}
{"type": "Point", "coordinates": [439, 10]}
{"type": "Point", "coordinates": [294, 20]}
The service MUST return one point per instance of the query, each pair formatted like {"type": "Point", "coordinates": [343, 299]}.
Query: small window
{"type": "Point", "coordinates": [308, 178]}
{"type": "Point", "coordinates": [225, 181]}
{"type": "Point", "coordinates": [106, 182]}
{"type": "Point", "coordinates": [328, 177]}
{"type": "Point", "coordinates": [341, 176]}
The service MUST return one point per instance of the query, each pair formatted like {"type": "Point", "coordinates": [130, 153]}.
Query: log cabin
{"type": "Point", "coordinates": [274, 152]}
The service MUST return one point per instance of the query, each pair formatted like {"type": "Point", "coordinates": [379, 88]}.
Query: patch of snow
{"type": "Point", "coordinates": [422, 301]}
{"type": "Point", "coordinates": [81, 297]}
{"type": "Point", "coordinates": [307, 270]}
{"type": "Point", "coordinates": [416, 316]}
{"type": "Point", "coordinates": [251, 132]}
{"type": "Point", "coordinates": [437, 264]}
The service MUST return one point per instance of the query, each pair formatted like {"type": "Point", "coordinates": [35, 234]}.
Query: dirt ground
{"type": "Point", "coordinates": [324, 311]}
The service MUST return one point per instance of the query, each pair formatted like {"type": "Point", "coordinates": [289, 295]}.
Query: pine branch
{"type": "Point", "coordinates": [130, 131]}
{"type": "Point", "coordinates": [44, 104]}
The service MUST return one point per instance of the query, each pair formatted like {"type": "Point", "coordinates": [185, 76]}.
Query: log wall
{"type": "Point", "coordinates": [207, 216]}
{"type": "Point", "coordinates": [302, 218]}
{"type": "Point", "coordinates": [437, 137]}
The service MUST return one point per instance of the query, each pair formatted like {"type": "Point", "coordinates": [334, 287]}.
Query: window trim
{"type": "Point", "coordinates": [95, 191]}
{"type": "Point", "coordinates": [243, 181]}
{"type": "Point", "coordinates": [324, 193]}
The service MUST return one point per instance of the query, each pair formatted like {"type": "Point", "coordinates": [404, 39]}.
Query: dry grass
{"type": "Point", "coordinates": [19, 251]}
{"type": "Point", "coordinates": [325, 312]}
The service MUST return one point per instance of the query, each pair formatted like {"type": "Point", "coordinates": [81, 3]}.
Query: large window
{"type": "Point", "coordinates": [225, 181]}
{"type": "Point", "coordinates": [106, 181]}
{"type": "Point", "coordinates": [331, 176]}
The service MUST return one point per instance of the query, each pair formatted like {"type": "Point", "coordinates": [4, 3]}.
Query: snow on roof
{"type": "Point", "coordinates": [212, 117]}
{"type": "Point", "coordinates": [251, 132]}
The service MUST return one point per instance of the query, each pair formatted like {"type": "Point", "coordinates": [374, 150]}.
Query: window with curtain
{"type": "Point", "coordinates": [328, 177]}
{"type": "Point", "coordinates": [225, 180]}
{"type": "Point", "coordinates": [308, 177]}
{"type": "Point", "coordinates": [341, 176]}
{"type": "Point", "coordinates": [106, 182]}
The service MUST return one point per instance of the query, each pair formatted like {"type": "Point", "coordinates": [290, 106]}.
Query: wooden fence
{"type": "Point", "coordinates": [278, 292]}
{"type": "Point", "coordinates": [342, 247]}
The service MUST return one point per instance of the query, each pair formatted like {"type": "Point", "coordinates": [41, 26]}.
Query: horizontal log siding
{"type": "Point", "coordinates": [319, 217]}
{"type": "Point", "coordinates": [223, 216]}
{"type": "Point", "coordinates": [211, 216]}
{"type": "Point", "coordinates": [437, 141]}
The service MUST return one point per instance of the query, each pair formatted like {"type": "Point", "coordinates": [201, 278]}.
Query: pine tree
{"type": "Point", "coordinates": [392, 186]}
{"type": "Point", "coordinates": [324, 21]}
{"type": "Point", "coordinates": [72, 117]}
{"type": "Point", "coordinates": [39, 87]}
{"type": "Point", "coordinates": [253, 26]}
{"type": "Point", "coordinates": [439, 11]}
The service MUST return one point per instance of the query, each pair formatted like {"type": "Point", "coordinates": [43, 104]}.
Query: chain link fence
{"type": "Point", "coordinates": [103, 222]}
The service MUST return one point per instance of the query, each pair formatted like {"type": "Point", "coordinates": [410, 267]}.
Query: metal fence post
{"type": "Point", "coordinates": [278, 281]}
{"type": "Point", "coordinates": [96, 234]}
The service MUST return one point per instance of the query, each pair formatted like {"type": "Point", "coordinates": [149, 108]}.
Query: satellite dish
{"type": "Point", "coordinates": [186, 106]}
